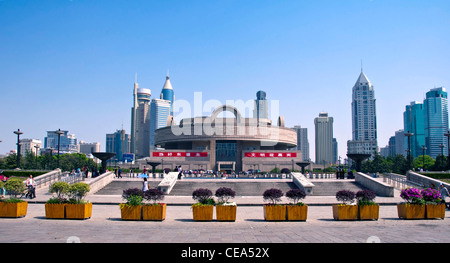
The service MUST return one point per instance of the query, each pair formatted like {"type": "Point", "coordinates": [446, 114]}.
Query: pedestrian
{"type": "Point", "coordinates": [31, 184]}
{"type": "Point", "coordinates": [145, 185]}
{"type": "Point", "coordinates": [180, 172]}
{"type": "Point", "coordinates": [119, 173]}
{"type": "Point", "coordinates": [444, 193]}
{"type": "Point", "coordinates": [131, 172]}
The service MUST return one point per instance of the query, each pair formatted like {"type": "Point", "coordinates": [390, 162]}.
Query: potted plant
{"type": "Point", "coordinates": [346, 210]}
{"type": "Point", "coordinates": [414, 205]}
{"type": "Point", "coordinates": [433, 206]}
{"type": "Point", "coordinates": [132, 209]}
{"type": "Point", "coordinates": [13, 206]}
{"type": "Point", "coordinates": [225, 211]}
{"type": "Point", "coordinates": [55, 207]}
{"type": "Point", "coordinates": [204, 208]}
{"type": "Point", "coordinates": [296, 210]}
{"type": "Point", "coordinates": [155, 211]}
{"type": "Point", "coordinates": [274, 211]}
{"type": "Point", "coordinates": [77, 207]}
{"type": "Point", "coordinates": [367, 208]}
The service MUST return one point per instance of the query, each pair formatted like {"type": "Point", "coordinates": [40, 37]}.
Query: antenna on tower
{"type": "Point", "coordinates": [361, 66]}
{"type": "Point", "coordinates": [135, 77]}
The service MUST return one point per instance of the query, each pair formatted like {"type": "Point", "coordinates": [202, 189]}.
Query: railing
{"type": "Point", "coordinates": [238, 176]}
{"type": "Point", "coordinates": [320, 176]}
{"type": "Point", "coordinates": [400, 181]}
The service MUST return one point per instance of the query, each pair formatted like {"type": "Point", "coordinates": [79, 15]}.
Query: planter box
{"type": "Point", "coordinates": [55, 211]}
{"type": "Point", "coordinates": [345, 212]}
{"type": "Point", "coordinates": [13, 209]}
{"type": "Point", "coordinates": [203, 213]}
{"type": "Point", "coordinates": [411, 211]}
{"type": "Point", "coordinates": [274, 212]}
{"type": "Point", "coordinates": [368, 212]}
{"type": "Point", "coordinates": [297, 212]}
{"type": "Point", "coordinates": [128, 212]}
{"type": "Point", "coordinates": [154, 212]}
{"type": "Point", "coordinates": [226, 212]}
{"type": "Point", "coordinates": [78, 211]}
{"type": "Point", "coordinates": [435, 211]}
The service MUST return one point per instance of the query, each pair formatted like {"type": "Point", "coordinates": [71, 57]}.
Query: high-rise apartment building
{"type": "Point", "coordinates": [159, 114]}
{"type": "Point", "coordinates": [302, 142]}
{"type": "Point", "coordinates": [119, 143]}
{"type": "Point", "coordinates": [30, 145]}
{"type": "Point", "coordinates": [88, 148]}
{"type": "Point", "coordinates": [140, 122]}
{"type": "Point", "coordinates": [436, 121]}
{"type": "Point", "coordinates": [324, 138]}
{"type": "Point", "coordinates": [168, 94]}
{"type": "Point", "coordinates": [364, 118]}
{"type": "Point", "coordinates": [413, 119]}
{"type": "Point", "coordinates": [261, 109]}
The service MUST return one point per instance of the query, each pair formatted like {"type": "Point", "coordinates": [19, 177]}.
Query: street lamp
{"type": "Point", "coordinates": [18, 132]}
{"type": "Point", "coordinates": [36, 147]}
{"type": "Point", "coordinates": [423, 157]}
{"type": "Point", "coordinates": [409, 134]}
{"type": "Point", "coordinates": [59, 132]}
{"type": "Point", "coordinates": [441, 164]}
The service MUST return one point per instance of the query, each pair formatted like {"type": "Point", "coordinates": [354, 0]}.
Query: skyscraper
{"type": "Point", "coordinates": [413, 119]}
{"type": "Point", "coordinates": [324, 138]}
{"type": "Point", "coordinates": [168, 94]}
{"type": "Point", "coordinates": [119, 143]}
{"type": "Point", "coordinates": [302, 141]}
{"type": "Point", "coordinates": [261, 110]}
{"type": "Point", "coordinates": [160, 111]}
{"type": "Point", "coordinates": [68, 142]}
{"type": "Point", "coordinates": [436, 121]}
{"type": "Point", "coordinates": [140, 122]}
{"type": "Point", "coordinates": [364, 118]}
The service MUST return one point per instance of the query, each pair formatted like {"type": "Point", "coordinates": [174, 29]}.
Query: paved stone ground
{"type": "Point", "coordinates": [105, 226]}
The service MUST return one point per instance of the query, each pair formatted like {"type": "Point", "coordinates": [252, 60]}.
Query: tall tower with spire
{"type": "Point", "coordinates": [364, 118]}
{"type": "Point", "coordinates": [167, 93]}
{"type": "Point", "coordinates": [140, 122]}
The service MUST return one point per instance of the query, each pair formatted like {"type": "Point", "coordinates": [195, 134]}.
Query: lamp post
{"type": "Point", "coordinates": [59, 132]}
{"type": "Point", "coordinates": [441, 163]}
{"type": "Point", "coordinates": [36, 147]}
{"type": "Point", "coordinates": [423, 157]}
{"type": "Point", "coordinates": [18, 132]}
{"type": "Point", "coordinates": [448, 148]}
{"type": "Point", "coordinates": [409, 134]}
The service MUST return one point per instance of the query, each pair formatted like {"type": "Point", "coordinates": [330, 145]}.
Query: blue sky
{"type": "Point", "coordinates": [71, 64]}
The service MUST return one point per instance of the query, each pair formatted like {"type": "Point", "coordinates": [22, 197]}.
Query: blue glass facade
{"type": "Point", "coordinates": [413, 119]}
{"type": "Point", "coordinates": [159, 112]}
{"type": "Point", "coordinates": [436, 121]}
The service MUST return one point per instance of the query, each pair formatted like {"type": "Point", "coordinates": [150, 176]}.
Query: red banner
{"type": "Point", "coordinates": [271, 155]}
{"type": "Point", "coordinates": [180, 154]}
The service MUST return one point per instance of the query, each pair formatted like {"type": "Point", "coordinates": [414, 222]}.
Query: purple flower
{"type": "Point", "coordinates": [412, 195]}
{"type": "Point", "coordinates": [431, 195]}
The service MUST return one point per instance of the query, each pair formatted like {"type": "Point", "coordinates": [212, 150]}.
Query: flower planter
{"type": "Point", "coordinates": [226, 212]}
{"type": "Point", "coordinates": [203, 212]}
{"type": "Point", "coordinates": [274, 212]}
{"type": "Point", "coordinates": [411, 211]}
{"type": "Point", "coordinates": [345, 212]}
{"type": "Point", "coordinates": [156, 212]}
{"type": "Point", "coordinates": [55, 211]}
{"type": "Point", "coordinates": [78, 211]}
{"type": "Point", "coordinates": [435, 211]}
{"type": "Point", "coordinates": [297, 212]}
{"type": "Point", "coordinates": [15, 210]}
{"type": "Point", "coordinates": [130, 212]}
{"type": "Point", "coordinates": [368, 212]}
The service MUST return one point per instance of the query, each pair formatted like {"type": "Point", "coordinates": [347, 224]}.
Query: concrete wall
{"type": "Point", "coordinates": [301, 182]}
{"type": "Point", "coordinates": [380, 188]}
{"type": "Point", "coordinates": [425, 181]}
{"type": "Point", "coordinates": [100, 182]}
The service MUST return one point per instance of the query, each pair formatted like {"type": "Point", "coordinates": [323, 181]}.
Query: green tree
{"type": "Point", "coordinates": [421, 160]}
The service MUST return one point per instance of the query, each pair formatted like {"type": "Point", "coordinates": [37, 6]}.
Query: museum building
{"type": "Point", "coordinates": [226, 144]}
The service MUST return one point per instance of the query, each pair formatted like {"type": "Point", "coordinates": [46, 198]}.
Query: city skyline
{"type": "Point", "coordinates": [70, 65]}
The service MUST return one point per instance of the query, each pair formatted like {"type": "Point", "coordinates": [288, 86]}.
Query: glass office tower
{"type": "Point", "coordinates": [168, 94]}
{"type": "Point", "coordinates": [436, 121]}
{"type": "Point", "coordinates": [413, 120]}
{"type": "Point", "coordinates": [159, 112]}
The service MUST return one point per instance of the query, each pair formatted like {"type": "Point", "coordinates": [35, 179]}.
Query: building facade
{"type": "Point", "coordinates": [88, 148]}
{"type": "Point", "coordinates": [68, 142]}
{"type": "Point", "coordinates": [159, 114]}
{"type": "Point", "coordinates": [413, 119]}
{"type": "Point", "coordinates": [118, 143]}
{"type": "Point", "coordinates": [168, 94]}
{"type": "Point", "coordinates": [364, 119]}
{"type": "Point", "coordinates": [324, 138]}
{"type": "Point", "coordinates": [302, 142]}
{"type": "Point", "coordinates": [261, 107]}
{"type": "Point", "coordinates": [226, 144]}
{"type": "Point", "coordinates": [436, 121]}
{"type": "Point", "coordinates": [30, 146]}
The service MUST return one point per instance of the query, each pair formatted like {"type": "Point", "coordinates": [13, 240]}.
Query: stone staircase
{"type": "Point", "coordinates": [329, 188]}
